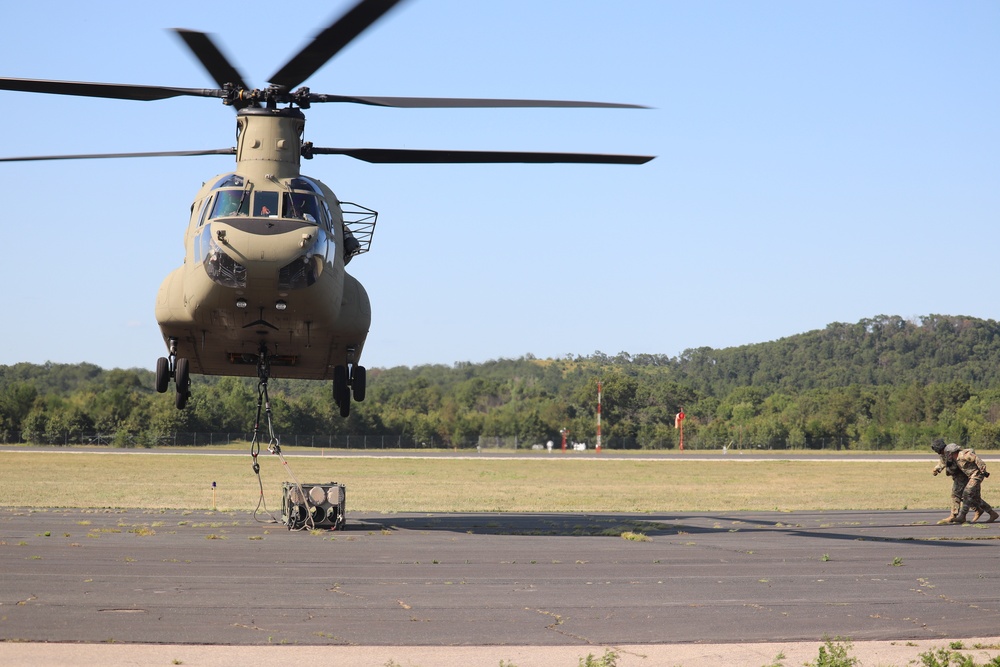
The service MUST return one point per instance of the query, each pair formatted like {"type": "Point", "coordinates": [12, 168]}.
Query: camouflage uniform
{"type": "Point", "coordinates": [975, 469]}
{"type": "Point", "coordinates": [959, 479]}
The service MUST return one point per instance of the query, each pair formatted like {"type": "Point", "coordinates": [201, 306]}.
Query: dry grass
{"type": "Point", "coordinates": [544, 484]}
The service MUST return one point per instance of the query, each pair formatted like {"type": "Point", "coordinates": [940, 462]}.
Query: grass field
{"type": "Point", "coordinates": [542, 484]}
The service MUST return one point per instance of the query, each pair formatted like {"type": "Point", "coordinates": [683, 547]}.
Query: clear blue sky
{"type": "Point", "coordinates": [817, 162]}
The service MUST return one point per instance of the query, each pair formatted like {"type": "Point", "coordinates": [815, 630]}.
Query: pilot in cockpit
{"type": "Point", "coordinates": [301, 206]}
{"type": "Point", "coordinates": [265, 204]}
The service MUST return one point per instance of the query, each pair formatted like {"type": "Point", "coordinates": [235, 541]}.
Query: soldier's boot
{"type": "Point", "coordinates": [960, 518]}
{"type": "Point", "coordinates": [979, 513]}
{"type": "Point", "coordinates": [993, 515]}
{"type": "Point", "coordinates": [949, 519]}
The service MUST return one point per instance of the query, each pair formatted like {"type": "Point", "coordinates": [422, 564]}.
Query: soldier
{"type": "Point", "coordinates": [975, 469]}
{"type": "Point", "coordinates": [958, 479]}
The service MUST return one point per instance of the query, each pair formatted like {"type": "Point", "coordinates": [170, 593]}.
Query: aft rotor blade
{"type": "Point", "coordinates": [329, 42]}
{"type": "Point", "coordinates": [96, 156]}
{"type": "Point", "coordinates": [120, 91]}
{"type": "Point", "coordinates": [209, 55]}
{"type": "Point", "coordinates": [462, 102]}
{"type": "Point", "coordinates": [408, 156]}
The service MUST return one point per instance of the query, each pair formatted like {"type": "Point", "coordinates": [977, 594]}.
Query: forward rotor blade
{"type": "Point", "coordinates": [407, 156]}
{"type": "Point", "coordinates": [209, 55]}
{"type": "Point", "coordinates": [95, 156]}
{"type": "Point", "coordinates": [120, 91]}
{"type": "Point", "coordinates": [462, 102]}
{"type": "Point", "coordinates": [329, 42]}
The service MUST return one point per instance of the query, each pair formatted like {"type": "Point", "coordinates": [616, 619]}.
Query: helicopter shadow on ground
{"type": "Point", "coordinates": [528, 524]}
{"type": "Point", "coordinates": [864, 526]}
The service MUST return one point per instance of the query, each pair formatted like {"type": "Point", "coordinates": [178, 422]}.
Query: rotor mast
{"type": "Point", "coordinates": [269, 142]}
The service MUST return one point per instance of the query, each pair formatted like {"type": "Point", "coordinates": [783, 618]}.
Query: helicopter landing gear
{"type": "Point", "coordinates": [359, 378]}
{"type": "Point", "coordinates": [172, 368]}
{"type": "Point", "coordinates": [341, 392]}
{"type": "Point", "coordinates": [162, 375]}
{"type": "Point", "coordinates": [182, 378]}
{"type": "Point", "coordinates": [348, 381]}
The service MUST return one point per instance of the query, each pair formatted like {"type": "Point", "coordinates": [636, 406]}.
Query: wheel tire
{"type": "Point", "coordinates": [162, 375]}
{"type": "Point", "coordinates": [341, 392]}
{"type": "Point", "coordinates": [182, 378]}
{"type": "Point", "coordinates": [358, 381]}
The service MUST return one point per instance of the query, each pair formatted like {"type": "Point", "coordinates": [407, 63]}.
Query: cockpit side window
{"type": "Point", "coordinates": [265, 204]}
{"type": "Point", "coordinates": [202, 209]}
{"type": "Point", "coordinates": [329, 215]}
{"type": "Point", "coordinates": [231, 202]}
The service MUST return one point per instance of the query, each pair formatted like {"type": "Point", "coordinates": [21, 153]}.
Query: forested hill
{"type": "Point", "coordinates": [883, 350]}
{"type": "Point", "coordinates": [882, 382]}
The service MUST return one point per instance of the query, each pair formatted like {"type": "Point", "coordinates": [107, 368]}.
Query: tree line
{"type": "Point", "coordinates": [881, 383]}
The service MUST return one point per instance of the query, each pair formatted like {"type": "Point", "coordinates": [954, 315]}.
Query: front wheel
{"type": "Point", "coordinates": [359, 379]}
{"type": "Point", "coordinates": [182, 378]}
{"type": "Point", "coordinates": [341, 390]}
{"type": "Point", "coordinates": [162, 374]}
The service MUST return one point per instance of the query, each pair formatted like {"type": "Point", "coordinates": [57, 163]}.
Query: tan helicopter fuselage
{"type": "Point", "coordinates": [264, 265]}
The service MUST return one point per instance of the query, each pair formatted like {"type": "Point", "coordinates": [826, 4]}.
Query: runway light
{"type": "Point", "coordinates": [280, 305]}
{"type": "Point", "coordinates": [241, 303]}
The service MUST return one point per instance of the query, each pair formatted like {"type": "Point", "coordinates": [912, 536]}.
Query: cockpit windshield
{"type": "Point", "coordinates": [265, 204]}
{"type": "Point", "coordinates": [231, 202]}
{"type": "Point", "coordinates": [303, 183]}
{"type": "Point", "coordinates": [302, 206]}
{"type": "Point", "coordinates": [229, 181]}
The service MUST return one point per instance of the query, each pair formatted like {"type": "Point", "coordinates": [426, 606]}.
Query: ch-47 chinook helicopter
{"type": "Point", "coordinates": [263, 285]}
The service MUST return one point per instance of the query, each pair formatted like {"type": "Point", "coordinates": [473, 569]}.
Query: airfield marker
{"type": "Point", "coordinates": [598, 416]}
{"type": "Point", "coordinates": [679, 424]}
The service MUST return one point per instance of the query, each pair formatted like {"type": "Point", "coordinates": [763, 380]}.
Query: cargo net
{"type": "Point", "coordinates": [312, 506]}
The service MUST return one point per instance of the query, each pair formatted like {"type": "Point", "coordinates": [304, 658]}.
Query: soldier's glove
{"type": "Point", "coordinates": [985, 474]}
{"type": "Point", "coordinates": [935, 471]}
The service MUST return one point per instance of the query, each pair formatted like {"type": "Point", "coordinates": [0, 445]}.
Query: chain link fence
{"type": "Point", "coordinates": [123, 439]}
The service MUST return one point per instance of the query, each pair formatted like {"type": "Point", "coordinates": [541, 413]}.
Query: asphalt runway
{"type": "Point", "coordinates": [568, 581]}
{"type": "Point", "coordinates": [525, 588]}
